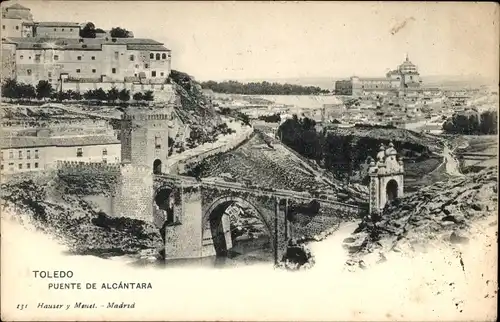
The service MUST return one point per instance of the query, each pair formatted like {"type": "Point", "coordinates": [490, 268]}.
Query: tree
{"type": "Point", "coordinates": [74, 95]}
{"type": "Point", "coordinates": [27, 91]}
{"type": "Point", "coordinates": [148, 96]}
{"type": "Point", "coordinates": [124, 95]}
{"type": "Point", "coordinates": [10, 89]}
{"type": "Point", "coordinates": [244, 118]}
{"type": "Point", "coordinates": [88, 31]}
{"type": "Point", "coordinates": [100, 94]}
{"type": "Point", "coordinates": [88, 95]}
{"type": "Point", "coordinates": [138, 96]}
{"type": "Point", "coordinates": [112, 94]}
{"type": "Point", "coordinates": [43, 89]}
{"type": "Point", "coordinates": [118, 32]}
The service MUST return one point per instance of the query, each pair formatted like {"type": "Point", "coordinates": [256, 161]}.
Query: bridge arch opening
{"type": "Point", "coordinates": [164, 200]}
{"type": "Point", "coordinates": [392, 190]}
{"type": "Point", "coordinates": [157, 166]}
{"type": "Point", "coordinates": [234, 227]}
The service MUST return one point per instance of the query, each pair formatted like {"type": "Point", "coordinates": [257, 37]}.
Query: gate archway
{"type": "Point", "coordinates": [157, 166]}
{"type": "Point", "coordinates": [392, 190]}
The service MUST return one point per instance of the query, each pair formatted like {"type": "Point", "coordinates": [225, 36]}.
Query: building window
{"type": "Point", "coordinates": [21, 57]}
{"type": "Point", "coordinates": [37, 58]}
{"type": "Point", "coordinates": [136, 65]}
{"type": "Point", "coordinates": [17, 27]}
{"type": "Point", "coordinates": [20, 166]}
{"type": "Point", "coordinates": [79, 152]}
{"type": "Point", "coordinates": [11, 154]}
{"type": "Point", "coordinates": [49, 74]}
{"type": "Point", "coordinates": [62, 29]}
{"type": "Point", "coordinates": [157, 142]}
{"type": "Point", "coordinates": [132, 58]}
{"type": "Point", "coordinates": [70, 29]}
{"type": "Point", "coordinates": [93, 70]}
{"type": "Point", "coordinates": [2, 167]}
{"type": "Point", "coordinates": [116, 55]}
{"type": "Point", "coordinates": [36, 154]}
{"type": "Point", "coordinates": [163, 56]}
{"type": "Point", "coordinates": [36, 164]}
{"type": "Point", "coordinates": [93, 57]}
{"type": "Point", "coordinates": [28, 154]}
{"type": "Point", "coordinates": [78, 70]}
{"type": "Point", "coordinates": [113, 70]}
{"type": "Point", "coordinates": [157, 56]}
{"type": "Point", "coordinates": [146, 66]}
{"type": "Point", "coordinates": [28, 71]}
{"type": "Point", "coordinates": [56, 57]}
{"type": "Point", "coordinates": [151, 56]}
{"type": "Point", "coordinates": [79, 57]}
{"type": "Point", "coordinates": [28, 165]}
{"type": "Point", "coordinates": [153, 73]}
{"type": "Point", "coordinates": [20, 154]}
{"type": "Point", "coordinates": [162, 74]}
{"type": "Point", "coordinates": [3, 27]}
{"type": "Point", "coordinates": [104, 152]}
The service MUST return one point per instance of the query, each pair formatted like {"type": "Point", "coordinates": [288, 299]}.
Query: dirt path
{"type": "Point", "coordinates": [451, 163]}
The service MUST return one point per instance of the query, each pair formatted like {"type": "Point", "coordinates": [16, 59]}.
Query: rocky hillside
{"type": "Point", "coordinates": [445, 212]}
{"type": "Point", "coordinates": [194, 110]}
{"type": "Point", "coordinates": [48, 207]}
{"type": "Point", "coordinates": [265, 162]}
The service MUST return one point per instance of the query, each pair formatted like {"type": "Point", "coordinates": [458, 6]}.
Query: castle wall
{"type": "Point", "coordinates": [134, 193]}
{"type": "Point", "coordinates": [89, 179]}
{"type": "Point", "coordinates": [161, 92]}
{"type": "Point", "coordinates": [183, 165]}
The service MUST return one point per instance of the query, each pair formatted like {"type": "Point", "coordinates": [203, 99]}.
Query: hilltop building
{"type": "Point", "coordinates": [28, 154]}
{"type": "Point", "coordinates": [405, 77]}
{"type": "Point", "coordinates": [54, 51]}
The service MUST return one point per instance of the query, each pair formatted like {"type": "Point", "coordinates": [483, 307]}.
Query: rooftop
{"type": "Point", "coordinates": [33, 141]}
{"type": "Point", "coordinates": [57, 24]}
{"type": "Point", "coordinates": [85, 43]}
{"type": "Point", "coordinates": [18, 6]}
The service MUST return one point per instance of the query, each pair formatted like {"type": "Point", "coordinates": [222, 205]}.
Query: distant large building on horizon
{"type": "Point", "coordinates": [405, 77]}
{"type": "Point", "coordinates": [55, 52]}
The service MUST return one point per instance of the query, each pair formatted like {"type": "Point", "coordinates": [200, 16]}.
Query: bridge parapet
{"type": "Point", "coordinates": [257, 190]}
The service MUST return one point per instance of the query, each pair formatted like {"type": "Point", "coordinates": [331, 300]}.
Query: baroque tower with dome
{"type": "Point", "coordinates": [386, 178]}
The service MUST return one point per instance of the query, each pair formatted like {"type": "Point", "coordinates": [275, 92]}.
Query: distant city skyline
{"type": "Point", "coordinates": [271, 40]}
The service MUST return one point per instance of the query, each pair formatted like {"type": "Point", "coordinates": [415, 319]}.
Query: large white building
{"type": "Point", "coordinates": [52, 51]}
{"type": "Point", "coordinates": [405, 77]}
{"type": "Point", "coordinates": [25, 153]}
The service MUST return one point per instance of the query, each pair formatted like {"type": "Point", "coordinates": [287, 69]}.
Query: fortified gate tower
{"type": "Point", "coordinates": [144, 152]}
{"type": "Point", "coordinates": [386, 178]}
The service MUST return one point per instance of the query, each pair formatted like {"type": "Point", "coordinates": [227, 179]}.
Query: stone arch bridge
{"type": "Point", "coordinates": [189, 213]}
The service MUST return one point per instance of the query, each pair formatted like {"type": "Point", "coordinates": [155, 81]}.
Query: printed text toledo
{"type": "Point", "coordinates": [120, 285]}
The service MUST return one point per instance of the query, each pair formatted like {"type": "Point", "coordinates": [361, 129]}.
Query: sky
{"type": "Point", "coordinates": [271, 40]}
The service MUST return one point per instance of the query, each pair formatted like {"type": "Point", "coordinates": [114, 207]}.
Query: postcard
{"type": "Point", "coordinates": [249, 161]}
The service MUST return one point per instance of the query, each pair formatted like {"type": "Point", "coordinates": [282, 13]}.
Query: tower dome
{"type": "Point", "coordinates": [391, 150]}
{"type": "Point", "coordinates": [381, 153]}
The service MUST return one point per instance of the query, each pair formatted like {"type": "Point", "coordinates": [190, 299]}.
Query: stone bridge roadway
{"type": "Point", "coordinates": [190, 213]}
